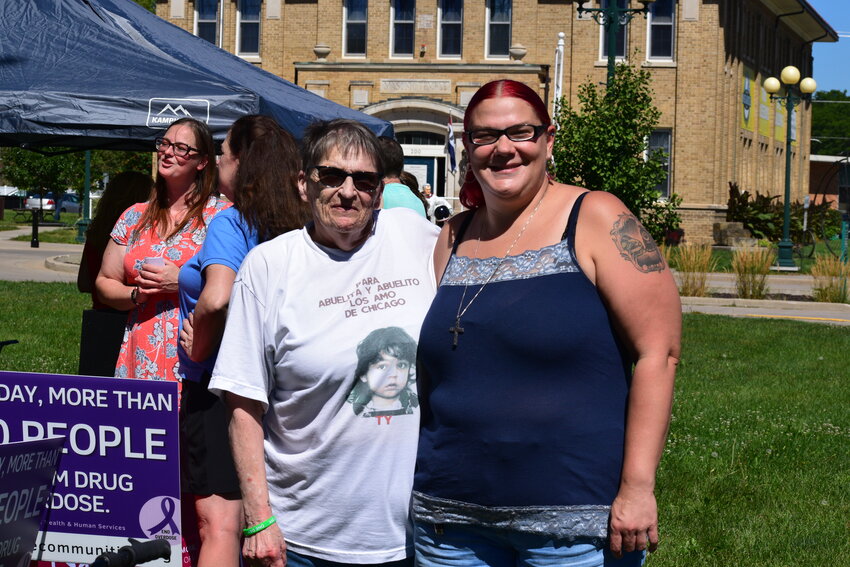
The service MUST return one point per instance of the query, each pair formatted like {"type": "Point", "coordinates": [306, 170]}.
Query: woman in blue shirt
{"type": "Point", "coordinates": [258, 171]}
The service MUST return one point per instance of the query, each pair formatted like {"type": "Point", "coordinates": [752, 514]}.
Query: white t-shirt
{"type": "Point", "coordinates": [339, 481]}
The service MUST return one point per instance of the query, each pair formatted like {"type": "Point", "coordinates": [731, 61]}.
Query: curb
{"type": "Point", "coordinates": [763, 303]}
{"type": "Point", "coordinates": [69, 263]}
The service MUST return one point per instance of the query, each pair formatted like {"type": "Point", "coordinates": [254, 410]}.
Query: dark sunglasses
{"type": "Point", "coordinates": [180, 149]}
{"type": "Point", "coordinates": [333, 177]}
{"type": "Point", "coordinates": [515, 133]}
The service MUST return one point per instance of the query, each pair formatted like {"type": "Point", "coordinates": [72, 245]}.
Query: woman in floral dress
{"type": "Point", "coordinates": [151, 241]}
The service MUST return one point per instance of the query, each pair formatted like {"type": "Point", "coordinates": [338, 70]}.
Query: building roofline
{"type": "Point", "coordinates": [828, 159]}
{"type": "Point", "coordinates": [504, 68]}
{"type": "Point", "coordinates": [801, 17]}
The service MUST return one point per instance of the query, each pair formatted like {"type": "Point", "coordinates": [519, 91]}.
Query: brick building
{"type": "Point", "coordinates": [416, 63]}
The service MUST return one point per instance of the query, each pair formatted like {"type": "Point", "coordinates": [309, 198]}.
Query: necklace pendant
{"type": "Point", "coordinates": [455, 330]}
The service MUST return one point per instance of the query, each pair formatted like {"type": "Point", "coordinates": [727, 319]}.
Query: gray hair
{"type": "Point", "coordinates": [348, 137]}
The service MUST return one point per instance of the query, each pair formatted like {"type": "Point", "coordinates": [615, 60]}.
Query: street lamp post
{"type": "Point", "coordinates": [612, 18]}
{"type": "Point", "coordinates": [790, 77]}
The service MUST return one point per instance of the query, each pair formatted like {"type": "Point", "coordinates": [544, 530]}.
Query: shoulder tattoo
{"type": "Point", "coordinates": [636, 245]}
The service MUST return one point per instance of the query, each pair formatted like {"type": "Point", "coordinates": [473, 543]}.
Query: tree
{"type": "Point", "coordinates": [147, 4]}
{"type": "Point", "coordinates": [831, 123]}
{"type": "Point", "coordinates": [39, 173]}
{"type": "Point", "coordinates": [603, 144]}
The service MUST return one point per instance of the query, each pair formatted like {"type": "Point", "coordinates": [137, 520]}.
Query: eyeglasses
{"type": "Point", "coordinates": [515, 133]}
{"type": "Point", "coordinates": [180, 149]}
{"type": "Point", "coordinates": [333, 177]}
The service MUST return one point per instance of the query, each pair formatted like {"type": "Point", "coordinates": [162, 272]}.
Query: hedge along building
{"type": "Point", "coordinates": [416, 63]}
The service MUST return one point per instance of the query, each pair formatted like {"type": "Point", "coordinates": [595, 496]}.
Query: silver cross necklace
{"type": "Point", "coordinates": [456, 329]}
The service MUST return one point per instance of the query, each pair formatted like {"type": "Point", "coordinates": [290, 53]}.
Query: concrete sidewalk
{"type": "Point", "coordinates": [794, 285]}
{"type": "Point", "coordinates": [47, 263]}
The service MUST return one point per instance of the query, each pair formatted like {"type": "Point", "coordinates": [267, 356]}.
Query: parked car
{"type": "Point", "coordinates": [69, 203]}
{"type": "Point", "coordinates": [45, 202]}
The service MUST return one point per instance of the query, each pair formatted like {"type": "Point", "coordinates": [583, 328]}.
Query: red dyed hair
{"type": "Point", "coordinates": [471, 194]}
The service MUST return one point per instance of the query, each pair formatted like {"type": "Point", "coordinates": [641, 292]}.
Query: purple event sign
{"type": "Point", "coordinates": [119, 474]}
{"type": "Point", "coordinates": [26, 477]}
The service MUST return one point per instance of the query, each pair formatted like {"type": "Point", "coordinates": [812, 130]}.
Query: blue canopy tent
{"type": "Point", "coordinates": [108, 74]}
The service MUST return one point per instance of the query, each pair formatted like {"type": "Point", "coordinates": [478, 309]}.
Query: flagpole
{"type": "Point", "coordinates": [451, 154]}
{"type": "Point", "coordinates": [558, 91]}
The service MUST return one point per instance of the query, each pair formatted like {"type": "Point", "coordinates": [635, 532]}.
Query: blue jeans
{"type": "Point", "coordinates": [298, 560]}
{"type": "Point", "coordinates": [476, 546]}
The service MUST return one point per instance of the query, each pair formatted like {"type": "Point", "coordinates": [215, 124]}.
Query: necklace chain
{"type": "Point", "coordinates": [456, 329]}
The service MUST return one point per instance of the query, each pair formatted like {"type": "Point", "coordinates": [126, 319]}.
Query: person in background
{"type": "Point", "coordinates": [395, 194]}
{"type": "Point", "coordinates": [546, 362]}
{"type": "Point", "coordinates": [258, 172]}
{"type": "Point", "coordinates": [151, 241]}
{"type": "Point", "coordinates": [125, 189]}
{"type": "Point", "coordinates": [320, 484]}
{"type": "Point", "coordinates": [103, 326]}
{"type": "Point", "coordinates": [407, 178]}
{"type": "Point", "coordinates": [438, 208]}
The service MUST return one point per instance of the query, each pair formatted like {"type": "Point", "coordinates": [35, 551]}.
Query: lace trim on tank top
{"type": "Point", "coordinates": [572, 524]}
{"type": "Point", "coordinates": [552, 259]}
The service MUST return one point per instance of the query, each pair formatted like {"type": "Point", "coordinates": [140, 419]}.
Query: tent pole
{"type": "Point", "coordinates": [83, 223]}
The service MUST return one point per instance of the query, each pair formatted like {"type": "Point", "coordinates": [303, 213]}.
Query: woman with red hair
{"type": "Point", "coordinates": [546, 362]}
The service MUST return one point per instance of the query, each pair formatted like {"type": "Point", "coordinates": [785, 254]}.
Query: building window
{"type": "Point", "coordinates": [206, 20]}
{"type": "Point", "coordinates": [661, 22]}
{"type": "Point", "coordinates": [621, 34]}
{"type": "Point", "coordinates": [248, 27]}
{"type": "Point", "coordinates": [355, 27]}
{"type": "Point", "coordinates": [403, 16]}
{"type": "Point", "coordinates": [660, 140]}
{"type": "Point", "coordinates": [451, 27]}
{"type": "Point", "coordinates": [498, 28]}
{"type": "Point", "coordinates": [418, 138]}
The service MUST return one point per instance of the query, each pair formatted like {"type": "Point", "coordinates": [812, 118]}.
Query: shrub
{"type": "Point", "coordinates": [602, 145]}
{"type": "Point", "coordinates": [693, 262]}
{"type": "Point", "coordinates": [764, 215]}
{"type": "Point", "coordinates": [831, 275]}
{"type": "Point", "coordinates": [751, 266]}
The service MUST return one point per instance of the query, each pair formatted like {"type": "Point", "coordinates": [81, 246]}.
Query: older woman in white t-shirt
{"type": "Point", "coordinates": [320, 480]}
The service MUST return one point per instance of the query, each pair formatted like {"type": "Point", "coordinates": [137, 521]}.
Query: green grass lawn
{"type": "Point", "coordinates": [757, 467]}
{"type": "Point", "coordinates": [63, 235]}
{"type": "Point", "coordinates": [45, 318]}
{"type": "Point", "coordinates": [66, 235]}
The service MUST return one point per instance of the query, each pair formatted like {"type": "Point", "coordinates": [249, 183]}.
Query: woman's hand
{"type": "Point", "coordinates": [187, 331]}
{"type": "Point", "coordinates": [154, 279]}
{"type": "Point", "coordinates": [634, 522]}
{"type": "Point", "coordinates": [266, 549]}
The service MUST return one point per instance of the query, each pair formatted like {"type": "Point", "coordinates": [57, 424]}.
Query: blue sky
{"type": "Point", "coordinates": [832, 60]}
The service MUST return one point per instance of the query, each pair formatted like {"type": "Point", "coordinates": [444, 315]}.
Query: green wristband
{"type": "Point", "coordinates": [259, 527]}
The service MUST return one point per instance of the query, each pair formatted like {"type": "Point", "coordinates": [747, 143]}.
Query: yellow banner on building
{"type": "Point", "coordinates": [765, 127]}
{"type": "Point", "coordinates": [779, 125]}
{"type": "Point", "coordinates": [748, 113]}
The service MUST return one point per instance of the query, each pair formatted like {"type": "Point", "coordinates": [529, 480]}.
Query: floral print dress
{"type": "Point", "coordinates": [149, 349]}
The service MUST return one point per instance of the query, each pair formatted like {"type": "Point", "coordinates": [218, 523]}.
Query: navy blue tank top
{"type": "Point", "coordinates": [529, 409]}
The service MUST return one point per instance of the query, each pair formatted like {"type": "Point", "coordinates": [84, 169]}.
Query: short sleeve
{"type": "Point", "coordinates": [127, 223]}
{"type": "Point", "coordinates": [241, 367]}
{"type": "Point", "coordinates": [226, 243]}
